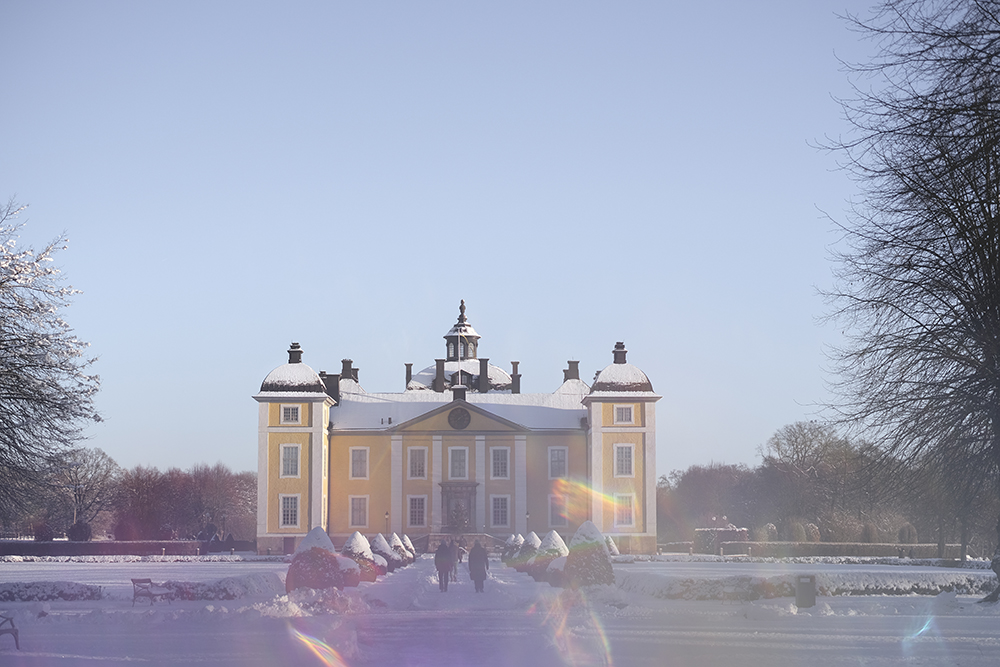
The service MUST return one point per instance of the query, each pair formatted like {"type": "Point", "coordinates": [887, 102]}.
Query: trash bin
{"type": "Point", "coordinates": [805, 590]}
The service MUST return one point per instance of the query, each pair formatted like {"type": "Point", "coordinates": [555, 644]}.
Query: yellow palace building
{"type": "Point", "coordinates": [460, 451]}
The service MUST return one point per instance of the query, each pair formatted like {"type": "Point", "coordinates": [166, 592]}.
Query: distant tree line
{"type": "Point", "coordinates": [84, 494]}
{"type": "Point", "coordinates": [812, 484]}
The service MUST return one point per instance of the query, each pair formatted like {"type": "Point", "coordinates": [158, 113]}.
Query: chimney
{"type": "Point", "coordinates": [515, 378]}
{"type": "Point", "coordinates": [332, 384]}
{"type": "Point", "coordinates": [573, 372]}
{"type": "Point", "coordinates": [458, 392]}
{"type": "Point", "coordinates": [295, 354]}
{"type": "Point", "coordinates": [484, 375]}
{"type": "Point", "coordinates": [619, 352]}
{"type": "Point", "coordinates": [354, 373]}
{"type": "Point", "coordinates": [409, 375]}
{"type": "Point", "coordinates": [345, 371]}
{"type": "Point", "coordinates": [439, 375]}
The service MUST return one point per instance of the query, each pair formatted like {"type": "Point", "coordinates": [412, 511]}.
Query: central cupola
{"type": "Point", "coordinates": [461, 340]}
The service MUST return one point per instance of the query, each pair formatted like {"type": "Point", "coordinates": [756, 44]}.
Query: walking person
{"type": "Point", "coordinates": [479, 562]}
{"type": "Point", "coordinates": [443, 564]}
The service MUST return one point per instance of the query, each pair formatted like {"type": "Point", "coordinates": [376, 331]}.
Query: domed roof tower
{"type": "Point", "coordinates": [294, 376]}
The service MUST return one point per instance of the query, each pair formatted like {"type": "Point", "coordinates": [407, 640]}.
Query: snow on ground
{"type": "Point", "coordinates": [677, 610]}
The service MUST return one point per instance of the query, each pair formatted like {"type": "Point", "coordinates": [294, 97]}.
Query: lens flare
{"type": "Point", "coordinates": [576, 631]}
{"type": "Point", "coordinates": [327, 655]}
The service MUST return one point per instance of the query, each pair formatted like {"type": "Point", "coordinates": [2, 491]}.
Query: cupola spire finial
{"type": "Point", "coordinates": [461, 312]}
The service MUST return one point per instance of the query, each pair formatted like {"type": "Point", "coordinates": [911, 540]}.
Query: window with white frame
{"type": "Point", "coordinates": [623, 414]}
{"type": "Point", "coordinates": [418, 511]}
{"type": "Point", "coordinates": [289, 461]}
{"type": "Point", "coordinates": [359, 511]}
{"type": "Point", "coordinates": [557, 462]}
{"type": "Point", "coordinates": [500, 462]}
{"type": "Point", "coordinates": [500, 506]}
{"type": "Point", "coordinates": [359, 462]}
{"type": "Point", "coordinates": [289, 511]}
{"type": "Point", "coordinates": [557, 511]}
{"type": "Point", "coordinates": [290, 414]}
{"type": "Point", "coordinates": [623, 460]}
{"type": "Point", "coordinates": [418, 463]}
{"type": "Point", "coordinates": [458, 462]}
{"type": "Point", "coordinates": [624, 510]}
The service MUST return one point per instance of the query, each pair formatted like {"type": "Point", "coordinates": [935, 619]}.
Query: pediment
{"type": "Point", "coordinates": [459, 417]}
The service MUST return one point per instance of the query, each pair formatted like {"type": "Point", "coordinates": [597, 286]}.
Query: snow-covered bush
{"type": "Point", "coordinates": [812, 532]}
{"type": "Point", "coordinates": [796, 532]}
{"type": "Point", "coordinates": [396, 544]}
{"type": "Point", "coordinates": [551, 547]}
{"type": "Point", "coordinates": [869, 533]}
{"type": "Point", "coordinates": [907, 534]}
{"type": "Point", "coordinates": [47, 590]}
{"type": "Point", "coordinates": [381, 548]}
{"type": "Point", "coordinates": [555, 574]}
{"type": "Point", "coordinates": [359, 550]}
{"type": "Point", "coordinates": [612, 547]}
{"type": "Point", "coordinates": [588, 562]}
{"type": "Point", "coordinates": [318, 568]}
{"type": "Point", "coordinates": [526, 551]}
{"type": "Point", "coordinates": [510, 548]}
{"type": "Point", "coordinates": [381, 564]}
{"type": "Point", "coordinates": [409, 545]}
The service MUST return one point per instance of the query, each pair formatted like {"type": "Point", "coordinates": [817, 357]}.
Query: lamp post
{"type": "Point", "coordinates": [387, 523]}
{"type": "Point", "coordinates": [527, 515]}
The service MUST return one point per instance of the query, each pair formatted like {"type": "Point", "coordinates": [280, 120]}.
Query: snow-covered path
{"type": "Point", "coordinates": [406, 621]}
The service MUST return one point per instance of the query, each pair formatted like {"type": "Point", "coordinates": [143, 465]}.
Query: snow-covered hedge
{"type": "Point", "coordinates": [551, 547]}
{"type": "Point", "coordinates": [47, 590]}
{"type": "Point", "coordinates": [359, 550]}
{"type": "Point", "coordinates": [380, 547]}
{"type": "Point", "coordinates": [318, 568]}
{"type": "Point", "coordinates": [527, 549]}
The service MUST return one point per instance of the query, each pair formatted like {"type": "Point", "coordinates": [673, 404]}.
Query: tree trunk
{"type": "Point", "coordinates": [995, 566]}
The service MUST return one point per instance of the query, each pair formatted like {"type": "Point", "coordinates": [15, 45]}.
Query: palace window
{"type": "Point", "coordinates": [418, 507]}
{"type": "Point", "coordinates": [359, 511]}
{"type": "Point", "coordinates": [623, 460]}
{"type": "Point", "coordinates": [500, 459]}
{"type": "Point", "coordinates": [501, 516]}
{"type": "Point", "coordinates": [289, 460]}
{"type": "Point", "coordinates": [557, 512]}
{"type": "Point", "coordinates": [418, 462]}
{"type": "Point", "coordinates": [624, 510]}
{"type": "Point", "coordinates": [289, 414]}
{"type": "Point", "coordinates": [359, 463]}
{"type": "Point", "coordinates": [458, 462]}
{"type": "Point", "coordinates": [623, 414]}
{"type": "Point", "coordinates": [289, 511]}
{"type": "Point", "coordinates": [557, 462]}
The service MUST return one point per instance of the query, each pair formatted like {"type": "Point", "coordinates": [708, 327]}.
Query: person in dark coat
{"type": "Point", "coordinates": [443, 564]}
{"type": "Point", "coordinates": [479, 562]}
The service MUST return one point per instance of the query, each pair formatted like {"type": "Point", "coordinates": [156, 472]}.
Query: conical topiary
{"type": "Point", "coordinates": [359, 550]}
{"type": "Point", "coordinates": [589, 561]}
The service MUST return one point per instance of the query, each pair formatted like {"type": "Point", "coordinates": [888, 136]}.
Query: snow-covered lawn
{"type": "Point", "coordinates": [660, 613]}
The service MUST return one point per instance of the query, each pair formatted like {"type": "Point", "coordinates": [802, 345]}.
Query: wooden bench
{"type": "Point", "coordinates": [144, 588]}
{"type": "Point", "coordinates": [12, 630]}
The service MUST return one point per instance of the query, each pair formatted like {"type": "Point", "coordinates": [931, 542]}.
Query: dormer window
{"type": "Point", "coordinates": [451, 350]}
{"type": "Point", "coordinates": [290, 414]}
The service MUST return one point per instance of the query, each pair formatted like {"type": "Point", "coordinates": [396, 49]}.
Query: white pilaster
{"type": "Point", "coordinates": [650, 463]}
{"type": "Point", "coordinates": [262, 469]}
{"type": "Point", "coordinates": [396, 509]}
{"type": "Point", "coordinates": [435, 508]}
{"type": "Point", "coordinates": [316, 429]}
{"type": "Point", "coordinates": [520, 483]}
{"type": "Point", "coordinates": [481, 497]}
{"type": "Point", "coordinates": [597, 466]}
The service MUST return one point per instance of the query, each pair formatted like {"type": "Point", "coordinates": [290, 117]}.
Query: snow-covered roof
{"type": "Point", "coordinates": [297, 377]}
{"type": "Point", "coordinates": [621, 377]}
{"type": "Point", "coordinates": [372, 411]}
{"type": "Point", "coordinates": [424, 380]}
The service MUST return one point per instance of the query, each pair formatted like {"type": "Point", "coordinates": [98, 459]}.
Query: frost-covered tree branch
{"type": "Point", "coordinates": [46, 394]}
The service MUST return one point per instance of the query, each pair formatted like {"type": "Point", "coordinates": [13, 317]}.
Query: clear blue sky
{"type": "Point", "coordinates": [234, 176]}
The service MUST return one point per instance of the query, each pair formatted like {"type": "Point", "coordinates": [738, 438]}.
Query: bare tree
{"type": "Point", "coordinates": [919, 284]}
{"type": "Point", "coordinates": [45, 393]}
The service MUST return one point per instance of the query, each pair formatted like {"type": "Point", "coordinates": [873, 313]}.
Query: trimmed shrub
{"type": "Point", "coordinates": [527, 550]}
{"type": "Point", "coordinates": [812, 532]}
{"type": "Point", "coordinates": [907, 534]}
{"type": "Point", "coordinates": [612, 547]}
{"type": "Point", "coordinates": [588, 562]}
{"type": "Point", "coordinates": [79, 532]}
{"type": "Point", "coordinates": [797, 532]}
{"type": "Point", "coordinates": [552, 547]}
{"type": "Point", "coordinates": [43, 532]}
{"type": "Point", "coordinates": [316, 568]}
{"type": "Point", "coordinates": [510, 548]}
{"type": "Point", "coordinates": [380, 547]}
{"type": "Point", "coordinates": [357, 549]}
{"type": "Point", "coordinates": [869, 533]}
